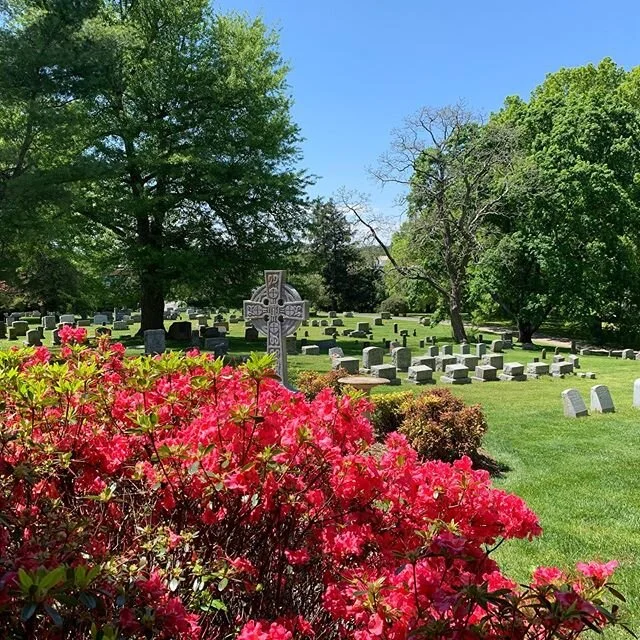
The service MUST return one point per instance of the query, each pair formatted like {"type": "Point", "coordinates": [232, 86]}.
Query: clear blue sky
{"type": "Point", "coordinates": [359, 67]}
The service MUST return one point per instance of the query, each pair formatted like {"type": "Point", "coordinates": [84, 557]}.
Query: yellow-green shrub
{"type": "Point", "coordinates": [389, 411]}
{"type": "Point", "coordinates": [311, 383]}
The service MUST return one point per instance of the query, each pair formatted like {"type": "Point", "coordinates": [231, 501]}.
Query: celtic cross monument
{"type": "Point", "coordinates": [276, 310]}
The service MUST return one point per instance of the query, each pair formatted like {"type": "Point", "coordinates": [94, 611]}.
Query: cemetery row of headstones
{"type": "Point", "coordinates": [600, 401]}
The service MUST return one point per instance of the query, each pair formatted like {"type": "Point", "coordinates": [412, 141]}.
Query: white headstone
{"type": "Point", "coordinates": [636, 393]}
{"type": "Point", "coordinates": [574, 406]}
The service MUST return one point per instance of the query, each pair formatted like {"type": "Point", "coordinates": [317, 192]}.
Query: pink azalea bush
{"type": "Point", "coordinates": [176, 498]}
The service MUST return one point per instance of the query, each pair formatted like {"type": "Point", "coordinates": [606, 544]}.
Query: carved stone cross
{"type": "Point", "coordinates": [276, 310]}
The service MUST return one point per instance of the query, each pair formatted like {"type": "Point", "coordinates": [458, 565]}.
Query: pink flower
{"type": "Point", "coordinates": [597, 571]}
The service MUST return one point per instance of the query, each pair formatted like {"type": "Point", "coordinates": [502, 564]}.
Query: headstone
{"type": "Point", "coordinates": [468, 360]}
{"type": "Point", "coordinates": [84, 322]}
{"type": "Point", "coordinates": [332, 314]}
{"type": "Point", "coordinates": [387, 371]}
{"type": "Point", "coordinates": [420, 374]}
{"type": "Point", "coordinates": [601, 401]}
{"type": "Point", "coordinates": [485, 373]}
{"type": "Point", "coordinates": [305, 323]}
{"type": "Point", "coordinates": [20, 327]}
{"type": "Point", "coordinates": [154, 341]}
{"type": "Point", "coordinates": [372, 356]}
{"type": "Point", "coordinates": [33, 338]}
{"type": "Point", "coordinates": [337, 322]}
{"type": "Point", "coordinates": [574, 406]}
{"type": "Point", "coordinates": [497, 346]}
{"type": "Point", "coordinates": [480, 338]}
{"type": "Point", "coordinates": [394, 344]}
{"type": "Point", "coordinates": [120, 325]}
{"type": "Point", "coordinates": [203, 322]}
{"type": "Point", "coordinates": [136, 317]}
{"type": "Point", "coordinates": [385, 315]}
{"type": "Point", "coordinates": [481, 349]}
{"type": "Point", "coordinates": [585, 352]}
{"type": "Point", "coordinates": [456, 374]}
{"type": "Point", "coordinates": [311, 350]}
{"type": "Point", "coordinates": [513, 372]}
{"type": "Point", "coordinates": [464, 349]}
{"type": "Point", "coordinates": [636, 393]}
{"type": "Point", "coordinates": [363, 326]}
{"type": "Point", "coordinates": [208, 332]}
{"type": "Point", "coordinates": [446, 350]}
{"type": "Point", "coordinates": [49, 322]}
{"type": "Point", "coordinates": [180, 331]}
{"type": "Point", "coordinates": [291, 345]}
{"type": "Point", "coordinates": [426, 361]}
{"type": "Point", "coordinates": [443, 361]}
{"type": "Point", "coordinates": [347, 332]}
{"type": "Point", "coordinates": [329, 331]}
{"type": "Point", "coordinates": [543, 354]}
{"type": "Point", "coordinates": [561, 369]}
{"type": "Point", "coordinates": [324, 323]}
{"type": "Point", "coordinates": [537, 369]}
{"type": "Point", "coordinates": [350, 365]}
{"type": "Point", "coordinates": [432, 351]}
{"type": "Point", "coordinates": [336, 352]}
{"type": "Point", "coordinates": [378, 322]}
{"type": "Point", "coordinates": [556, 351]}
{"type": "Point", "coordinates": [219, 346]}
{"type": "Point", "coordinates": [277, 311]}
{"type": "Point", "coordinates": [348, 314]}
{"type": "Point", "coordinates": [55, 336]}
{"type": "Point", "coordinates": [395, 327]}
{"type": "Point", "coordinates": [401, 358]}
{"type": "Point", "coordinates": [421, 344]}
{"type": "Point", "coordinates": [574, 347]}
{"type": "Point", "coordinates": [68, 318]}
{"type": "Point", "coordinates": [404, 341]}
{"type": "Point", "coordinates": [575, 361]}
{"type": "Point", "coordinates": [315, 323]}
{"type": "Point", "coordinates": [358, 334]}
{"type": "Point", "coordinates": [251, 334]}
{"type": "Point", "coordinates": [558, 358]}
{"type": "Point", "coordinates": [100, 318]}
{"type": "Point", "coordinates": [627, 354]}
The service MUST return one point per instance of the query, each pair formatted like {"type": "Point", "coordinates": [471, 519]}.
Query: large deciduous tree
{"type": "Point", "coordinates": [456, 171]}
{"type": "Point", "coordinates": [179, 141]}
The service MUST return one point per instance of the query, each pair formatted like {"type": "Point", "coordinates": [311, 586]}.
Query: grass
{"type": "Point", "coordinates": [581, 476]}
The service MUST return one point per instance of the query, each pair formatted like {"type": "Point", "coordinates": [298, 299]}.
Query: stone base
{"type": "Point", "coordinates": [395, 382]}
{"type": "Point", "coordinates": [448, 380]}
{"type": "Point", "coordinates": [474, 379]}
{"type": "Point", "coordinates": [420, 382]}
{"type": "Point", "coordinates": [536, 376]}
{"type": "Point", "coordinates": [505, 378]}
{"type": "Point", "coordinates": [558, 375]}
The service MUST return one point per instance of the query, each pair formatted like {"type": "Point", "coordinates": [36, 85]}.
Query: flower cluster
{"type": "Point", "coordinates": [173, 497]}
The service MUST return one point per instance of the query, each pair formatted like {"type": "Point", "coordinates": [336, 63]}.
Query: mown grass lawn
{"type": "Point", "coordinates": [581, 476]}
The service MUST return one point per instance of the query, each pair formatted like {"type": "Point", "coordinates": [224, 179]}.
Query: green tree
{"type": "Point", "coordinates": [457, 172]}
{"type": "Point", "coordinates": [349, 275]}
{"type": "Point", "coordinates": [574, 211]}
{"type": "Point", "coordinates": [179, 141]}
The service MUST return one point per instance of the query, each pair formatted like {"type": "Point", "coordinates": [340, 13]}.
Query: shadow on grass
{"type": "Point", "coordinates": [482, 460]}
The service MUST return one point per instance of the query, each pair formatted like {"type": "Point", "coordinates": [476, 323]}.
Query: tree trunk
{"type": "Point", "coordinates": [525, 331]}
{"type": "Point", "coordinates": [152, 303]}
{"type": "Point", "coordinates": [455, 313]}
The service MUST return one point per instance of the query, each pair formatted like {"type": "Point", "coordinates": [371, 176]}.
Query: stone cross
{"type": "Point", "coordinates": [277, 311]}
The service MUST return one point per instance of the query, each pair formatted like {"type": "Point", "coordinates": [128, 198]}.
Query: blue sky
{"type": "Point", "coordinates": [358, 68]}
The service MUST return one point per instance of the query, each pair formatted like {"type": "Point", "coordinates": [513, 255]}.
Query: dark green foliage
{"type": "Point", "coordinates": [395, 305]}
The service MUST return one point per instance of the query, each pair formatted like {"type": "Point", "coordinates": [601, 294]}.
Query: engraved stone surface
{"type": "Point", "coordinates": [574, 406]}
{"type": "Point", "coordinates": [485, 373]}
{"type": "Point", "coordinates": [601, 401]}
{"type": "Point", "coordinates": [420, 374]}
{"type": "Point", "coordinates": [277, 311]}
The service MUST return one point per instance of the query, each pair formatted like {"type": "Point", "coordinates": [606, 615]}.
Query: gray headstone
{"type": "Point", "coordinates": [401, 358]}
{"type": "Point", "coordinates": [329, 331]}
{"type": "Point", "coordinates": [311, 350]}
{"type": "Point", "coordinates": [561, 369]}
{"type": "Point", "coordinates": [443, 361]}
{"type": "Point", "coordinates": [537, 369]}
{"type": "Point", "coordinates": [100, 318]}
{"type": "Point", "coordinates": [34, 338]}
{"type": "Point", "coordinates": [348, 314]}
{"type": "Point", "coordinates": [336, 352]}
{"type": "Point", "coordinates": [350, 365]}
{"type": "Point", "coordinates": [485, 373]}
{"type": "Point", "coordinates": [420, 374]}
{"type": "Point", "coordinates": [180, 331]}
{"type": "Point", "coordinates": [219, 346]}
{"type": "Point", "coordinates": [372, 356]}
{"type": "Point", "coordinates": [315, 323]}
{"type": "Point", "coordinates": [574, 406]}
{"type": "Point", "coordinates": [363, 326]}
{"type": "Point", "coordinates": [497, 346]}
{"type": "Point", "coordinates": [513, 372]}
{"type": "Point", "coordinates": [481, 349]}
{"type": "Point", "coordinates": [558, 358]}
{"type": "Point", "coordinates": [446, 350]}
{"type": "Point", "coordinates": [332, 314]}
{"type": "Point", "coordinates": [337, 322]}
{"type": "Point", "coordinates": [378, 322]}
{"type": "Point", "coordinates": [68, 318]}
{"type": "Point", "coordinates": [324, 323]}
{"type": "Point", "coordinates": [49, 322]}
{"type": "Point", "coordinates": [432, 351]}
{"type": "Point", "coordinates": [251, 334]}
{"type": "Point", "coordinates": [385, 315]}
{"type": "Point", "coordinates": [627, 354]}
{"type": "Point", "coordinates": [465, 349]}
{"type": "Point", "coordinates": [154, 341]}
{"type": "Point", "coordinates": [493, 360]}
{"type": "Point", "coordinates": [574, 360]}
{"type": "Point", "coordinates": [120, 325]}
{"type": "Point", "coordinates": [20, 327]}
{"type": "Point", "coordinates": [426, 361]}
{"type": "Point", "coordinates": [55, 335]}
{"type": "Point", "coordinates": [456, 374]}
{"type": "Point", "coordinates": [387, 371]}
{"type": "Point", "coordinates": [469, 361]}
{"type": "Point", "coordinates": [601, 401]}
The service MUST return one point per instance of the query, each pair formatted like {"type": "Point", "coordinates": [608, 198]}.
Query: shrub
{"type": "Point", "coordinates": [175, 498]}
{"type": "Point", "coordinates": [31, 319]}
{"type": "Point", "coordinates": [389, 410]}
{"type": "Point", "coordinates": [395, 305]}
{"type": "Point", "coordinates": [311, 383]}
{"type": "Point", "coordinates": [440, 427]}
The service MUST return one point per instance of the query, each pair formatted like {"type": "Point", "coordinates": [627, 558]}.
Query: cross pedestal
{"type": "Point", "coordinates": [276, 310]}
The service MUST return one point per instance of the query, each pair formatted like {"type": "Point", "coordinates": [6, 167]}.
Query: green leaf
{"type": "Point", "coordinates": [222, 585]}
